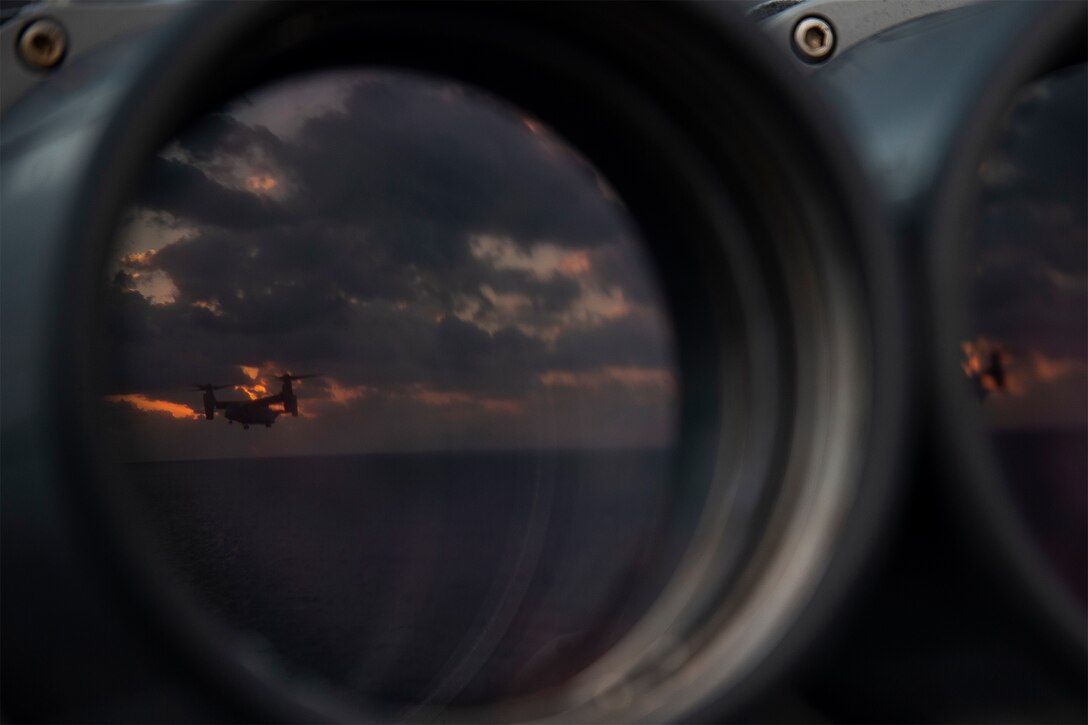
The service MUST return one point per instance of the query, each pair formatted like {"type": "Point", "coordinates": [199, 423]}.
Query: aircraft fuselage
{"type": "Point", "coordinates": [251, 414]}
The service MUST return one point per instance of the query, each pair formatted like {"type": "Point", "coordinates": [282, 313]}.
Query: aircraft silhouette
{"type": "Point", "coordinates": [255, 411]}
{"type": "Point", "coordinates": [991, 378]}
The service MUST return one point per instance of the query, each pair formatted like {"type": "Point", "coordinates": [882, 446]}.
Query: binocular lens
{"type": "Point", "coordinates": [395, 388]}
{"type": "Point", "coordinates": [1028, 358]}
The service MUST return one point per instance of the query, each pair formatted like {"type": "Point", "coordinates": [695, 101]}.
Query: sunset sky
{"type": "Point", "coordinates": [1030, 282]}
{"type": "Point", "coordinates": [459, 277]}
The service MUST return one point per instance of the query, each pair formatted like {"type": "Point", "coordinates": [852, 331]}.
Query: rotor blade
{"type": "Point", "coordinates": [288, 376]}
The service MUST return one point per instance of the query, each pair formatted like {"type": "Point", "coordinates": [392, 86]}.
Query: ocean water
{"type": "Point", "coordinates": [419, 578]}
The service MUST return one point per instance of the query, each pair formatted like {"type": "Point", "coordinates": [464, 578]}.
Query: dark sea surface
{"type": "Point", "coordinates": [408, 578]}
{"type": "Point", "coordinates": [1047, 471]}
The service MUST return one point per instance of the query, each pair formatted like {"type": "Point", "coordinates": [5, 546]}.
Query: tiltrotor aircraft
{"type": "Point", "coordinates": [258, 411]}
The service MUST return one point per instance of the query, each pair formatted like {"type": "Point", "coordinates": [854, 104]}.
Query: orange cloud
{"type": "Point", "coordinates": [264, 383]}
{"type": "Point", "coordinates": [344, 394]}
{"type": "Point", "coordinates": [543, 261]}
{"type": "Point", "coordinates": [139, 260]}
{"type": "Point", "coordinates": [1020, 375]}
{"type": "Point", "coordinates": [575, 264]}
{"type": "Point", "coordinates": [211, 306]}
{"type": "Point", "coordinates": [144, 403]}
{"type": "Point", "coordinates": [261, 183]}
{"type": "Point", "coordinates": [632, 377]}
{"type": "Point", "coordinates": [440, 397]}
{"type": "Point", "coordinates": [155, 285]}
{"type": "Point", "coordinates": [252, 392]}
{"type": "Point", "coordinates": [1048, 370]}
{"type": "Point", "coordinates": [595, 305]}
{"type": "Point", "coordinates": [445, 398]}
{"type": "Point", "coordinates": [976, 364]}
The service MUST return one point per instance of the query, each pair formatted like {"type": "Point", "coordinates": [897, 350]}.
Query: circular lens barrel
{"type": "Point", "coordinates": [293, 286]}
{"type": "Point", "coordinates": [395, 389]}
{"type": "Point", "coordinates": [1006, 268]}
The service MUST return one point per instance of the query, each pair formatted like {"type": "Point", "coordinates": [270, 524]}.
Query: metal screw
{"type": "Point", "coordinates": [43, 43]}
{"type": "Point", "coordinates": [813, 38]}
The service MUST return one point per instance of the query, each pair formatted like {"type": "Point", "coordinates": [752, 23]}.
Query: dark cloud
{"type": "Point", "coordinates": [405, 152]}
{"type": "Point", "coordinates": [626, 342]}
{"type": "Point", "coordinates": [430, 252]}
{"type": "Point", "coordinates": [408, 150]}
{"type": "Point", "coordinates": [187, 192]}
{"type": "Point", "coordinates": [1029, 284]}
{"type": "Point", "coordinates": [220, 135]}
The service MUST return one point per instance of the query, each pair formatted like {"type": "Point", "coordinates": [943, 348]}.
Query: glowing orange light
{"type": "Point", "coordinates": [211, 306]}
{"type": "Point", "coordinates": [261, 183]}
{"type": "Point", "coordinates": [575, 264]}
{"type": "Point", "coordinates": [988, 364]}
{"type": "Point", "coordinates": [617, 311]}
{"type": "Point", "coordinates": [1048, 370]}
{"type": "Point", "coordinates": [139, 259]}
{"type": "Point", "coordinates": [252, 392]}
{"type": "Point", "coordinates": [144, 403]}
{"type": "Point", "coordinates": [250, 372]}
{"type": "Point", "coordinates": [344, 394]}
{"type": "Point", "coordinates": [972, 358]}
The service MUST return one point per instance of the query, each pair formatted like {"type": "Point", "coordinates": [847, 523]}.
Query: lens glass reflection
{"type": "Point", "coordinates": [395, 387]}
{"type": "Point", "coordinates": [1028, 358]}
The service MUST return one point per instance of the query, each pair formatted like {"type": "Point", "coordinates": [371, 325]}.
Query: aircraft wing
{"type": "Point", "coordinates": [265, 401]}
{"type": "Point", "coordinates": [256, 402]}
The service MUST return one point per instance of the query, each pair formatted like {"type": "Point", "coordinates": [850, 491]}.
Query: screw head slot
{"type": "Point", "coordinates": [813, 38]}
{"type": "Point", "coordinates": [43, 43]}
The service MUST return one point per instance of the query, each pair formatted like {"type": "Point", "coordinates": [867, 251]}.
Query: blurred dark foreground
{"type": "Point", "coordinates": [417, 578]}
